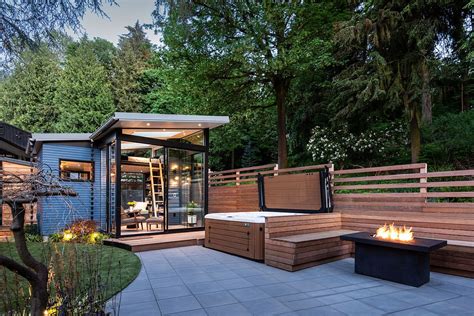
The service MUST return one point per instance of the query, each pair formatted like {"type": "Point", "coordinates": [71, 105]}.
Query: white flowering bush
{"type": "Point", "coordinates": [340, 146]}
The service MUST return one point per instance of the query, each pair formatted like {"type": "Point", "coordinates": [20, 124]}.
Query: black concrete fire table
{"type": "Point", "coordinates": [406, 262]}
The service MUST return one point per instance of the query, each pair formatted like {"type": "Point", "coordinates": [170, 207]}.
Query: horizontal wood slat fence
{"type": "Point", "coordinates": [408, 187]}
{"type": "Point", "coordinates": [236, 190]}
{"type": "Point", "coordinates": [436, 204]}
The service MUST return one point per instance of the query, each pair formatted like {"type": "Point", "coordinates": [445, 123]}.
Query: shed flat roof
{"type": "Point", "coordinates": [151, 120]}
{"type": "Point", "coordinates": [61, 137]}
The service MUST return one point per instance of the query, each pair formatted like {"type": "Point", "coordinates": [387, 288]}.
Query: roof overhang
{"type": "Point", "coordinates": [37, 139]}
{"type": "Point", "coordinates": [151, 121]}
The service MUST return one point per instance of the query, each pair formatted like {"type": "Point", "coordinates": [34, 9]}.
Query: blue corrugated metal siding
{"type": "Point", "coordinates": [57, 212]}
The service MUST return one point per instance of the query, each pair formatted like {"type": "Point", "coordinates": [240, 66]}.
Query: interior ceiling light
{"type": "Point", "coordinates": [147, 124]}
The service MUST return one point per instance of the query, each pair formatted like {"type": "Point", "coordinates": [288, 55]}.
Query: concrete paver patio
{"type": "Point", "coordinates": [199, 281]}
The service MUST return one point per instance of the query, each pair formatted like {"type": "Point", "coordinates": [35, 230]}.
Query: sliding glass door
{"type": "Point", "coordinates": [186, 189]}
{"type": "Point", "coordinates": [155, 185]}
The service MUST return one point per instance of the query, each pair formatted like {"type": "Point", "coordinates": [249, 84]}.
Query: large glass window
{"type": "Point", "coordinates": [75, 170]}
{"type": "Point", "coordinates": [186, 189]}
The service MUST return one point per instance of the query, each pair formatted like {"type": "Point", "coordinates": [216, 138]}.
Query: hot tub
{"type": "Point", "coordinates": [241, 233]}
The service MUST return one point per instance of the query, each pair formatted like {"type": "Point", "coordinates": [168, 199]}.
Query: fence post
{"type": "Point", "coordinates": [237, 178]}
{"type": "Point", "coordinates": [276, 169]}
{"type": "Point", "coordinates": [424, 170]}
{"type": "Point", "coordinates": [331, 176]}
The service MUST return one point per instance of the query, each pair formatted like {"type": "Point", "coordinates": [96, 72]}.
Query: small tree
{"type": "Point", "coordinates": [21, 189]}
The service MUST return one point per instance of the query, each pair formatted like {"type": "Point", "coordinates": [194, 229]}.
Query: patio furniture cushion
{"type": "Point", "coordinates": [153, 220]}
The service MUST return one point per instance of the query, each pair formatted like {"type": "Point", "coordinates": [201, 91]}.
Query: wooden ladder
{"type": "Point", "coordinates": [157, 186]}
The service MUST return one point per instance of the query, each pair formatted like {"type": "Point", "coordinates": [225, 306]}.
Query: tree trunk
{"type": "Point", "coordinates": [426, 102]}
{"type": "Point", "coordinates": [415, 137]}
{"type": "Point", "coordinates": [281, 91]}
{"type": "Point", "coordinates": [39, 283]}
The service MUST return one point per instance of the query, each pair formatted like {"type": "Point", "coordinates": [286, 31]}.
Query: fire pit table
{"type": "Point", "coordinates": [406, 262]}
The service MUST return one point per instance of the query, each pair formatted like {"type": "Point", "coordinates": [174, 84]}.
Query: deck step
{"type": "Point", "coordinates": [157, 242]}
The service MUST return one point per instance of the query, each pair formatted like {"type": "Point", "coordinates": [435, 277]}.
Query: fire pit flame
{"type": "Point", "coordinates": [394, 233]}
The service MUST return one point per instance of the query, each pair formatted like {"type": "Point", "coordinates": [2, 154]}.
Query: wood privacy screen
{"type": "Point", "coordinates": [236, 190]}
{"type": "Point", "coordinates": [293, 191]}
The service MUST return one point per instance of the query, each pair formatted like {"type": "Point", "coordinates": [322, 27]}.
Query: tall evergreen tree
{"type": "Point", "coordinates": [27, 95]}
{"type": "Point", "coordinates": [133, 54]}
{"type": "Point", "coordinates": [390, 45]}
{"type": "Point", "coordinates": [84, 94]}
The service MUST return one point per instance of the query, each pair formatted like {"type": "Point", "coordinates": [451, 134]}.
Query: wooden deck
{"type": "Point", "coordinates": [156, 242]}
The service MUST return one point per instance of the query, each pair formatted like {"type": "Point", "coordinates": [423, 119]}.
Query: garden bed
{"type": "Point", "coordinates": [76, 269]}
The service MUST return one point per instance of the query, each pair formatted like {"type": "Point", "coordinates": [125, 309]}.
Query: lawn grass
{"type": "Point", "coordinates": [72, 265]}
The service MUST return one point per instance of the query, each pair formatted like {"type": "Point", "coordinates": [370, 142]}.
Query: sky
{"type": "Point", "coordinates": [127, 12]}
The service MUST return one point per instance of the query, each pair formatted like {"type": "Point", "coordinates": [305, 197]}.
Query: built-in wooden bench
{"type": "Point", "coordinates": [297, 242]}
{"type": "Point", "coordinates": [294, 243]}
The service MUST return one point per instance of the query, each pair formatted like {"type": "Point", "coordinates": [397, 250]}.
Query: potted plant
{"type": "Point", "coordinates": [191, 209]}
{"type": "Point", "coordinates": [131, 205]}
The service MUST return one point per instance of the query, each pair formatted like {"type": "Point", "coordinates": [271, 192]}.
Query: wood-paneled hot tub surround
{"type": "Point", "coordinates": [242, 234]}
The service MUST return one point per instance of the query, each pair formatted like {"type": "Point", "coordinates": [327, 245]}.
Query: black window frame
{"type": "Point", "coordinates": [91, 178]}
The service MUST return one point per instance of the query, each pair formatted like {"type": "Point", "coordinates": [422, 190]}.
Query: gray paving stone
{"type": "Point", "coordinates": [205, 287]}
{"type": "Point", "coordinates": [195, 312]}
{"type": "Point", "coordinates": [266, 306]}
{"type": "Point", "coordinates": [248, 294]}
{"type": "Point", "coordinates": [304, 303]}
{"type": "Point", "coordinates": [388, 303]}
{"type": "Point", "coordinates": [178, 304]}
{"type": "Point", "coordinates": [236, 283]}
{"type": "Point", "coordinates": [356, 308]}
{"type": "Point", "coordinates": [138, 309]}
{"type": "Point", "coordinates": [335, 298]}
{"type": "Point", "coordinates": [171, 291]}
{"type": "Point", "coordinates": [278, 289]}
{"type": "Point", "coordinates": [178, 277]}
{"type": "Point", "coordinates": [412, 297]}
{"type": "Point", "coordinates": [291, 297]}
{"type": "Point", "coordinates": [196, 278]}
{"type": "Point", "coordinates": [165, 282]}
{"type": "Point", "coordinates": [455, 288]}
{"type": "Point", "coordinates": [228, 310]}
{"type": "Point", "coordinates": [247, 272]}
{"type": "Point", "coordinates": [321, 293]}
{"type": "Point", "coordinates": [215, 299]}
{"type": "Point", "coordinates": [223, 275]}
{"type": "Point", "coordinates": [134, 297]}
{"type": "Point", "coordinates": [306, 285]}
{"type": "Point", "coordinates": [417, 311]}
{"type": "Point", "coordinates": [262, 279]}
{"type": "Point", "coordinates": [138, 284]}
{"type": "Point", "coordinates": [330, 282]}
{"type": "Point", "coordinates": [449, 308]}
{"type": "Point", "coordinates": [320, 311]}
{"type": "Point", "coordinates": [361, 293]}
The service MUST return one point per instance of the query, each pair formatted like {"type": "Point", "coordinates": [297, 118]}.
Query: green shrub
{"type": "Point", "coordinates": [449, 140]}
